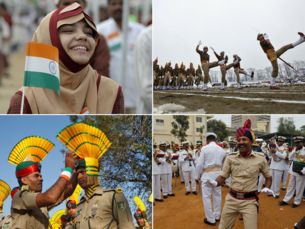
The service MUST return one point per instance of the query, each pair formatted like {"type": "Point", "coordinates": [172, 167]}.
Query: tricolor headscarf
{"type": "Point", "coordinates": [245, 131]}
{"type": "Point", "coordinates": [71, 204]}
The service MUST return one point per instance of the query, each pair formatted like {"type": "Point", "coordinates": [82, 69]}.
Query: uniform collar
{"type": "Point", "coordinates": [251, 154]}
{"type": "Point", "coordinates": [98, 190]}
{"type": "Point", "coordinates": [213, 143]}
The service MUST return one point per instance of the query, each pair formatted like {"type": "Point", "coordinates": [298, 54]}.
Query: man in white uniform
{"type": "Point", "coordinates": [169, 155]}
{"type": "Point", "coordinates": [261, 179]}
{"type": "Point", "coordinates": [297, 179]}
{"type": "Point", "coordinates": [163, 169]}
{"type": "Point", "coordinates": [210, 163]}
{"type": "Point", "coordinates": [277, 166]}
{"type": "Point", "coordinates": [111, 29]}
{"type": "Point", "coordinates": [188, 167]}
{"type": "Point", "coordinates": [156, 176]}
{"type": "Point", "coordinates": [180, 166]}
{"type": "Point", "coordinates": [197, 152]}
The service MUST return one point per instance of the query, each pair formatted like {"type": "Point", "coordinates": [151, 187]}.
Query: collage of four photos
{"type": "Point", "coordinates": [152, 114]}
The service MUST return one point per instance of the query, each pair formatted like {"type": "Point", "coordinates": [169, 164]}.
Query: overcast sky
{"type": "Point", "coordinates": [226, 26]}
{"type": "Point", "coordinates": [299, 120]}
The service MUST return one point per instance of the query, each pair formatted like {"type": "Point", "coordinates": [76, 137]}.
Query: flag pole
{"type": "Point", "coordinates": [22, 101]}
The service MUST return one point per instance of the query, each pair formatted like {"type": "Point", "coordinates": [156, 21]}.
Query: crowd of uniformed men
{"type": "Point", "coordinates": [179, 78]}
{"type": "Point", "coordinates": [244, 165]}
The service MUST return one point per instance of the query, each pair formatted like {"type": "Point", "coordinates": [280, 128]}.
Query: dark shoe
{"type": "Point", "coordinates": [283, 203]}
{"type": "Point", "coordinates": [276, 197]}
{"type": "Point", "coordinates": [274, 87]}
{"type": "Point", "coordinates": [241, 217]}
{"type": "Point", "coordinates": [269, 195]}
{"type": "Point", "coordinates": [207, 222]}
{"type": "Point", "coordinates": [226, 59]}
{"type": "Point", "coordinates": [154, 204]}
{"type": "Point", "coordinates": [301, 34]}
{"type": "Point", "coordinates": [164, 197]}
{"type": "Point", "coordinates": [294, 205]}
{"type": "Point", "coordinates": [187, 193]}
{"type": "Point", "coordinates": [223, 89]}
{"type": "Point", "coordinates": [159, 200]}
{"type": "Point", "coordinates": [190, 182]}
{"type": "Point", "coordinates": [172, 194]}
{"type": "Point", "coordinates": [182, 182]}
{"type": "Point", "coordinates": [284, 189]}
{"type": "Point", "coordinates": [252, 74]}
{"type": "Point", "coordinates": [205, 90]}
{"type": "Point", "coordinates": [217, 220]}
{"type": "Point", "coordinates": [195, 193]}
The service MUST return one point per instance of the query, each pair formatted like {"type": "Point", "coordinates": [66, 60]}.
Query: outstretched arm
{"type": "Point", "coordinates": [51, 196]}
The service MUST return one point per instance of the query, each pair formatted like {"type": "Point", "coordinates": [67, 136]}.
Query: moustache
{"type": "Point", "coordinates": [118, 11]}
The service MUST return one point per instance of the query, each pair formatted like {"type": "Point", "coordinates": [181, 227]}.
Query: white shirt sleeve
{"type": "Point", "coordinates": [292, 155]}
{"type": "Point", "coordinates": [283, 155]}
{"type": "Point", "coordinates": [199, 166]}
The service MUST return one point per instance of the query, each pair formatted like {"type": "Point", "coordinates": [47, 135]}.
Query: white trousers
{"type": "Point", "coordinates": [297, 184]}
{"type": "Point", "coordinates": [169, 184]}
{"type": "Point", "coordinates": [228, 180]}
{"type": "Point", "coordinates": [186, 176]}
{"type": "Point", "coordinates": [285, 176]}
{"type": "Point", "coordinates": [261, 182]}
{"type": "Point", "coordinates": [156, 185]}
{"type": "Point", "coordinates": [164, 184]}
{"type": "Point", "coordinates": [181, 174]}
{"type": "Point", "coordinates": [206, 198]}
{"type": "Point", "coordinates": [276, 181]}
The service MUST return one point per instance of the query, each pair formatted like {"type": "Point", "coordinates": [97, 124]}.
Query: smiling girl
{"type": "Point", "coordinates": [73, 32]}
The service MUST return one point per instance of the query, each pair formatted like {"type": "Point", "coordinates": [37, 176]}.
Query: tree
{"type": "Point", "coordinates": [286, 125]}
{"type": "Point", "coordinates": [201, 133]}
{"type": "Point", "coordinates": [180, 127]}
{"type": "Point", "coordinates": [219, 128]}
{"type": "Point", "coordinates": [128, 161]}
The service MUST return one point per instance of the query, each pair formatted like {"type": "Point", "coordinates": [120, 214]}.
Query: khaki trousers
{"type": "Point", "coordinates": [156, 82]}
{"type": "Point", "coordinates": [160, 82]}
{"type": "Point", "coordinates": [277, 54]}
{"type": "Point", "coordinates": [223, 70]}
{"type": "Point", "coordinates": [167, 78]}
{"type": "Point", "coordinates": [180, 81]}
{"type": "Point", "coordinates": [174, 82]}
{"type": "Point", "coordinates": [206, 68]}
{"type": "Point", "coordinates": [237, 71]}
{"type": "Point", "coordinates": [190, 80]}
{"type": "Point", "coordinates": [233, 207]}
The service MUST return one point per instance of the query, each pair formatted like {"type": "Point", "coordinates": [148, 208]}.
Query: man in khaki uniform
{"type": "Point", "coordinates": [30, 207]}
{"type": "Point", "coordinates": [175, 77]}
{"type": "Point", "coordinates": [181, 77]}
{"type": "Point", "coordinates": [224, 67]}
{"type": "Point", "coordinates": [273, 55]}
{"type": "Point", "coordinates": [244, 167]}
{"type": "Point", "coordinates": [167, 76]}
{"type": "Point", "coordinates": [156, 73]}
{"type": "Point", "coordinates": [100, 207]}
{"type": "Point", "coordinates": [238, 70]}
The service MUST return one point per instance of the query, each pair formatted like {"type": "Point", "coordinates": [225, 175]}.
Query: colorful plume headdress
{"type": "Point", "coordinates": [5, 191]}
{"type": "Point", "coordinates": [73, 199]}
{"type": "Point", "coordinates": [55, 225]}
{"type": "Point", "coordinates": [245, 131]}
{"type": "Point", "coordinates": [56, 218]}
{"type": "Point", "coordinates": [141, 206]}
{"type": "Point", "coordinates": [88, 142]}
{"type": "Point", "coordinates": [28, 153]}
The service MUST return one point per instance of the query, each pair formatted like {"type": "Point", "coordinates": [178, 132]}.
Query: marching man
{"type": "Point", "coordinates": [188, 166]}
{"type": "Point", "coordinates": [273, 55]}
{"type": "Point", "coordinates": [238, 70]}
{"type": "Point", "coordinates": [297, 179]}
{"type": "Point", "coordinates": [209, 165]}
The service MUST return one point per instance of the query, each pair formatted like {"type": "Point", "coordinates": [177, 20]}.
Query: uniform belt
{"type": "Point", "coordinates": [221, 65]}
{"type": "Point", "coordinates": [235, 68]}
{"type": "Point", "coordinates": [244, 195]}
{"type": "Point", "coordinates": [207, 170]}
{"type": "Point", "coordinates": [204, 61]}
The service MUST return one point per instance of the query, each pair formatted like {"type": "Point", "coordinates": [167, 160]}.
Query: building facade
{"type": "Point", "coordinates": [162, 126]}
{"type": "Point", "coordinates": [259, 123]}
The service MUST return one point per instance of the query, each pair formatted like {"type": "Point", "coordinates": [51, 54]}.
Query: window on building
{"type": "Point", "coordinates": [198, 130]}
{"type": "Point", "coordinates": [160, 122]}
{"type": "Point", "coordinates": [198, 119]}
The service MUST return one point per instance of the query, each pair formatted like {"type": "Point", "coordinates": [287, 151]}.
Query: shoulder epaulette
{"type": "Point", "coordinates": [260, 153]}
{"type": "Point", "coordinates": [110, 190]}
{"type": "Point", "coordinates": [232, 153]}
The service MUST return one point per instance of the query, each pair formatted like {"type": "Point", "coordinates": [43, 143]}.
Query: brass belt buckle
{"type": "Point", "coordinates": [240, 195]}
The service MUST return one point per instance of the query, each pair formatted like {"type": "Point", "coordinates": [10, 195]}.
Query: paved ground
{"type": "Point", "coordinates": [290, 99]}
{"type": "Point", "coordinates": [181, 211]}
{"type": "Point", "coordinates": [14, 82]}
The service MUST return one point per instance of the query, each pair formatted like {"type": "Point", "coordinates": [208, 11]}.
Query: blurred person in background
{"type": "Point", "coordinates": [100, 61]}
{"type": "Point", "coordinates": [112, 30]}
{"type": "Point", "coordinates": [4, 41]}
{"type": "Point", "coordinates": [143, 71]}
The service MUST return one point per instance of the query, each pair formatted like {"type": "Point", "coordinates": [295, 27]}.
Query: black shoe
{"type": "Point", "coordinates": [164, 197]}
{"type": "Point", "coordinates": [154, 204]}
{"type": "Point", "coordinates": [195, 193]}
{"type": "Point", "coordinates": [276, 197]}
{"type": "Point", "coordinates": [217, 220]}
{"type": "Point", "coordinates": [294, 205]}
{"type": "Point", "coordinates": [283, 203]}
{"type": "Point", "coordinates": [284, 189]}
{"type": "Point", "coordinates": [226, 59]}
{"type": "Point", "coordinates": [269, 195]}
{"type": "Point", "coordinates": [187, 193]}
{"type": "Point", "coordinates": [182, 182]}
{"type": "Point", "coordinates": [207, 222]}
{"type": "Point", "coordinates": [190, 182]}
{"type": "Point", "coordinates": [160, 200]}
{"type": "Point", "coordinates": [172, 194]}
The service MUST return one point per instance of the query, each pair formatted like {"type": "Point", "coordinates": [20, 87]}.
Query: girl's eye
{"type": "Point", "coordinates": [89, 33]}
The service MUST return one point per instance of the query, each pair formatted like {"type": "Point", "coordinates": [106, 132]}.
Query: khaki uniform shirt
{"type": "Point", "coordinates": [245, 171]}
{"type": "Point", "coordinates": [26, 214]}
{"type": "Point", "coordinates": [101, 209]}
{"type": "Point", "coordinates": [6, 222]}
{"type": "Point", "coordinates": [203, 56]}
{"type": "Point", "coordinates": [265, 46]}
{"type": "Point", "coordinates": [70, 225]}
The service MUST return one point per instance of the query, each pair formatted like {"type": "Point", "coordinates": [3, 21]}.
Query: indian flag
{"type": "Point", "coordinates": [114, 41]}
{"type": "Point", "coordinates": [41, 66]}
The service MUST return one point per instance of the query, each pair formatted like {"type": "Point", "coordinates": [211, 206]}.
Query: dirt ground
{"type": "Point", "coordinates": [250, 100]}
{"type": "Point", "coordinates": [11, 84]}
{"type": "Point", "coordinates": [181, 211]}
